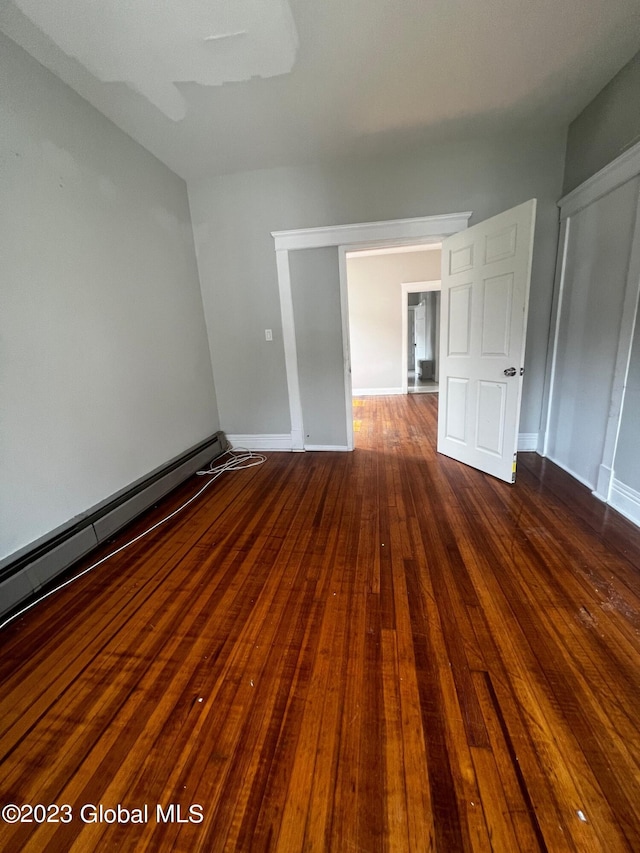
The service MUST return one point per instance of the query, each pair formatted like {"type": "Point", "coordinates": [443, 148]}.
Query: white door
{"type": "Point", "coordinates": [421, 338]}
{"type": "Point", "coordinates": [483, 318]}
{"type": "Point", "coordinates": [411, 338]}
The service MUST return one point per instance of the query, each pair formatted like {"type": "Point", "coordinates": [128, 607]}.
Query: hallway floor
{"type": "Point", "coordinates": [416, 385]}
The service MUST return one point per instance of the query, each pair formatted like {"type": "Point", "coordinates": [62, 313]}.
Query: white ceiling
{"type": "Point", "coordinates": [215, 86]}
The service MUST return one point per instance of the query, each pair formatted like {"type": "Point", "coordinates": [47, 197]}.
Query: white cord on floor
{"type": "Point", "coordinates": [239, 460]}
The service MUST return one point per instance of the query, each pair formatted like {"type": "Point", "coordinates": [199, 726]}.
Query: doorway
{"type": "Point", "coordinates": [420, 305]}
{"type": "Point", "coordinates": [346, 238]}
{"type": "Point", "coordinates": [479, 413]}
{"type": "Point", "coordinates": [380, 285]}
{"type": "Point", "coordinates": [422, 350]}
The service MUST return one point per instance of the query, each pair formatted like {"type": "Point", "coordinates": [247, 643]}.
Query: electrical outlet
{"type": "Point", "coordinates": [268, 335]}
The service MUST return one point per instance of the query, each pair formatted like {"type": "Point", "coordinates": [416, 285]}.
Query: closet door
{"type": "Point", "coordinates": [585, 381]}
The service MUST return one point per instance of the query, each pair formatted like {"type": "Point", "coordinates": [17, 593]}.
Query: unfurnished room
{"type": "Point", "coordinates": [320, 426]}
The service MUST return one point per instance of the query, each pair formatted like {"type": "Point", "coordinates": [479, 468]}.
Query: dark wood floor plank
{"type": "Point", "coordinates": [395, 795]}
{"type": "Point", "coordinates": [550, 696]}
{"type": "Point", "coordinates": [380, 651]}
{"type": "Point", "coordinates": [524, 740]}
{"type": "Point", "coordinates": [420, 817]}
{"type": "Point", "coordinates": [515, 814]}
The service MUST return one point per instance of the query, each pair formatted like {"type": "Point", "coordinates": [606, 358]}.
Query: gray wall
{"type": "Point", "coordinates": [233, 216]}
{"type": "Point", "coordinates": [605, 128]}
{"type": "Point", "coordinates": [315, 292]}
{"type": "Point", "coordinates": [105, 372]}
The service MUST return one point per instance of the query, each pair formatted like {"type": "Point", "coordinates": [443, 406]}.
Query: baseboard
{"type": "Point", "coordinates": [626, 501]}
{"type": "Point", "coordinates": [527, 441]}
{"type": "Point", "coordinates": [332, 447]}
{"type": "Point", "coordinates": [269, 441]}
{"type": "Point", "coordinates": [24, 573]}
{"type": "Point", "coordinates": [376, 392]}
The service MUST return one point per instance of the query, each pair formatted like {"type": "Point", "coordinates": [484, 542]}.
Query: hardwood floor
{"type": "Point", "coordinates": [382, 650]}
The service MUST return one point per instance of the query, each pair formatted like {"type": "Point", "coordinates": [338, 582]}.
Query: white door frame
{"type": "Point", "coordinates": [365, 235]}
{"type": "Point", "coordinates": [618, 172]}
{"type": "Point", "coordinates": [407, 288]}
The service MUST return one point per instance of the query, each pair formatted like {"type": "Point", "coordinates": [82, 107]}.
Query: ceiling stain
{"type": "Point", "coordinates": [151, 45]}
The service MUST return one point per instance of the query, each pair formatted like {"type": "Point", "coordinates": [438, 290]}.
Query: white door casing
{"type": "Point", "coordinates": [486, 272]}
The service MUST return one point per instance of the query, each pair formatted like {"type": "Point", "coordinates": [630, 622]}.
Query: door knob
{"type": "Point", "coordinates": [510, 371]}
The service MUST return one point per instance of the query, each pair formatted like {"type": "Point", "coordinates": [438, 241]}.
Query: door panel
{"type": "Point", "coordinates": [490, 416]}
{"type": "Point", "coordinates": [456, 410]}
{"type": "Point", "coordinates": [485, 292]}
{"type": "Point", "coordinates": [459, 325]}
{"type": "Point", "coordinates": [496, 315]}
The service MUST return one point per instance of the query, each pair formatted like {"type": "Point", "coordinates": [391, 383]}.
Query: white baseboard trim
{"type": "Point", "coordinates": [527, 441]}
{"type": "Point", "coordinates": [376, 392]}
{"type": "Point", "coordinates": [333, 447]}
{"type": "Point", "coordinates": [626, 500]}
{"type": "Point", "coordinates": [270, 441]}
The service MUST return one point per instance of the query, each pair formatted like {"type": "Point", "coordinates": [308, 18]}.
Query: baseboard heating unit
{"type": "Point", "coordinates": [23, 574]}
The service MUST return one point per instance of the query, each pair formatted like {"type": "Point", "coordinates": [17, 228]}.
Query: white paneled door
{"type": "Point", "coordinates": [485, 293]}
